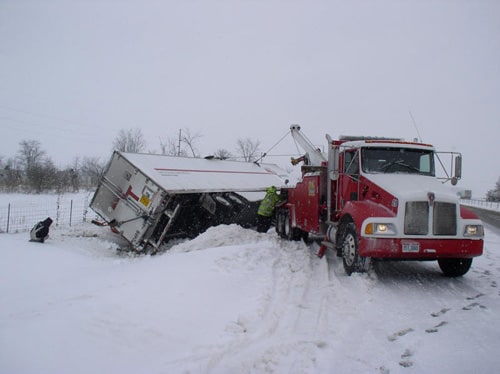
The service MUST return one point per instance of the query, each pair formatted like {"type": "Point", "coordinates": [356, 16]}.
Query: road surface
{"type": "Point", "coordinates": [490, 217]}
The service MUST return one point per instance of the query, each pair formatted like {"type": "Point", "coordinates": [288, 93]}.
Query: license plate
{"type": "Point", "coordinates": [411, 247]}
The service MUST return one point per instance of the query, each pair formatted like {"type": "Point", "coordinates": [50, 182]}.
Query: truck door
{"type": "Point", "coordinates": [349, 183]}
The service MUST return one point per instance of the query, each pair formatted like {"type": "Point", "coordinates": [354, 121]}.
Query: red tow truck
{"type": "Point", "coordinates": [380, 198]}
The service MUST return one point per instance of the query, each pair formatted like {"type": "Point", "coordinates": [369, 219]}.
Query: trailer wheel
{"type": "Point", "coordinates": [454, 267]}
{"type": "Point", "coordinates": [351, 259]}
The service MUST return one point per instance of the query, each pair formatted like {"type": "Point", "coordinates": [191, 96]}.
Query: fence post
{"type": "Point", "coordinates": [86, 207]}
{"type": "Point", "coordinates": [58, 210]}
{"type": "Point", "coordinates": [70, 211]}
{"type": "Point", "coordinates": [8, 217]}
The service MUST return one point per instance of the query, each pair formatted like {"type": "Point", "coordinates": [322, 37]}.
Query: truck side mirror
{"type": "Point", "coordinates": [458, 167]}
{"type": "Point", "coordinates": [458, 170]}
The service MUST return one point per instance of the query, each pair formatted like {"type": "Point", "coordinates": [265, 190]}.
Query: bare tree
{"type": "Point", "coordinates": [11, 175]}
{"type": "Point", "coordinates": [248, 149]}
{"type": "Point", "coordinates": [74, 174]}
{"type": "Point", "coordinates": [130, 140]}
{"type": "Point", "coordinates": [30, 154]}
{"type": "Point", "coordinates": [176, 147]}
{"type": "Point", "coordinates": [222, 153]}
{"type": "Point", "coordinates": [69, 178]}
{"type": "Point", "coordinates": [39, 169]}
{"type": "Point", "coordinates": [170, 148]}
{"type": "Point", "coordinates": [189, 139]}
{"type": "Point", "coordinates": [42, 176]}
{"type": "Point", "coordinates": [62, 180]}
{"type": "Point", "coordinates": [91, 171]}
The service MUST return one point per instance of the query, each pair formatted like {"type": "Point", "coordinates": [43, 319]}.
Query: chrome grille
{"type": "Point", "coordinates": [444, 219]}
{"type": "Point", "coordinates": [417, 218]}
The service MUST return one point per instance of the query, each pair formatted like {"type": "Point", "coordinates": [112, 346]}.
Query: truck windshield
{"type": "Point", "coordinates": [397, 160]}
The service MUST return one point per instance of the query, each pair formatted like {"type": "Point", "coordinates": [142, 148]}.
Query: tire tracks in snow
{"type": "Point", "coordinates": [311, 317]}
{"type": "Point", "coordinates": [281, 334]}
{"type": "Point", "coordinates": [457, 296]}
{"type": "Point", "coordinates": [399, 349]}
{"type": "Point", "coordinates": [292, 320]}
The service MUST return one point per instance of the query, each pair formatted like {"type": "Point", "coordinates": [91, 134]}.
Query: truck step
{"type": "Point", "coordinates": [324, 246]}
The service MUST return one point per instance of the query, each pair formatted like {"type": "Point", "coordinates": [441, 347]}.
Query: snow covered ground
{"type": "Point", "coordinates": [236, 301]}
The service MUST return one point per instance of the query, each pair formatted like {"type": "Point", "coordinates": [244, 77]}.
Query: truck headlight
{"type": "Point", "coordinates": [380, 229]}
{"type": "Point", "coordinates": [474, 230]}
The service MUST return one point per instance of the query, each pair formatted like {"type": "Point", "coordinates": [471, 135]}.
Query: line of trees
{"type": "Point", "coordinates": [33, 171]}
{"type": "Point", "coordinates": [185, 145]}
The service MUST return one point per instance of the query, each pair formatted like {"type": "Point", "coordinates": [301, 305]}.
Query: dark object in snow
{"type": "Point", "coordinates": [99, 222]}
{"type": "Point", "coordinates": [40, 231]}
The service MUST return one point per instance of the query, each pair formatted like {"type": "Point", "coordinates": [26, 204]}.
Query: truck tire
{"type": "Point", "coordinates": [280, 222]}
{"type": "Point", "coordinates": [287, 226]}
{"type": "Point", "coordinates": [291, 233]}
{"type": "Point", "coordinates": [353, 262]}
{"type": "Point", "coordinates": [454, 267]}
{"type": "Point", "coordinates": [284, 226]}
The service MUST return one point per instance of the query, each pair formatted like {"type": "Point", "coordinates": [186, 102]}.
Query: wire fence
{"type": "Point", "coordinates": [23, 215]}
{"type": "Point", "coordinates": [19, 216]}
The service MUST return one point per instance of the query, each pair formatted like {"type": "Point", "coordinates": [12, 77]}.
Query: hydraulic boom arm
{"type": "Point", "coordinates": [314, 155]}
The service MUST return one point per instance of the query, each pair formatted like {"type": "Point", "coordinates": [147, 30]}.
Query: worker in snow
{"type": "Point", "coordinates": [266, 209]}
{"type": "Point", "coordinates": [40, 231]}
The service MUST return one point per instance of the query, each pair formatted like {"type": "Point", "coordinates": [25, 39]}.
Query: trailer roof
{"type": "Point", "coordinates": [192, 175]}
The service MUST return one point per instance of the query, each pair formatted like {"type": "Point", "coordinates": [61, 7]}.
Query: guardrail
{"type": "Point", "coordinates": [483, 204]}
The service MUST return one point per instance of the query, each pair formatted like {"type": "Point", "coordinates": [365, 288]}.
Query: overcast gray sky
{"type": "Point", "coordinates": [73, 73]}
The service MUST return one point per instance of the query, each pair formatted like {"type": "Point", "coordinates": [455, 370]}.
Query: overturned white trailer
{"type": "Point", "coordinates": [149, 198]}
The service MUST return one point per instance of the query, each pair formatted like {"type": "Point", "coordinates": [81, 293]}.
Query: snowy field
{"type": "Point", "coordinates": [236, 301]}
{"type": "Point", "coordinates": [20, 212]}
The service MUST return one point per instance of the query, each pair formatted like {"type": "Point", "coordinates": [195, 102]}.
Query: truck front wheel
{"type": "Point", "coordinates": [351, 259]}
{"type": "Point", "coordinates": [455, 267]}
